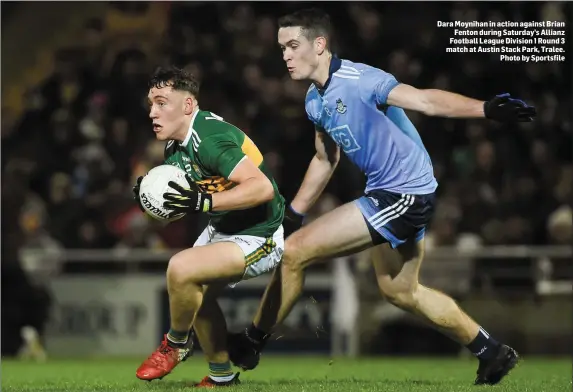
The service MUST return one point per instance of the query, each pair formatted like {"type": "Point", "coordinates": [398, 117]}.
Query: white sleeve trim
{"type": "Point", "coordinates": [238, 163]}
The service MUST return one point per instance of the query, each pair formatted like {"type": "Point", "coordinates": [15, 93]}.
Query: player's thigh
{"type": "Point", "coordinates": [211, 263]}
{"type": "Point", "coordinates": [397, 269]}
{"type": "Point", "coordinates": [338, 232]}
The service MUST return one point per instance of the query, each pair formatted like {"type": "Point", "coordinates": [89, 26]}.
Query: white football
{"type": "Point", "coordinates": [154, 185]}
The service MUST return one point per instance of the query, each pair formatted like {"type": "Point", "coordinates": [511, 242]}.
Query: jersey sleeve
{"type": "Point", "coordinates": [220, 155]}
{"type": "Point", "coordinates": [375, 85]}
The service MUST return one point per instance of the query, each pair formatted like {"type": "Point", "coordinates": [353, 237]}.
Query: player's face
{"type": "Point", "coordinates": [299, 54]}
{"type": "Point", "coordinates": [167, 110]}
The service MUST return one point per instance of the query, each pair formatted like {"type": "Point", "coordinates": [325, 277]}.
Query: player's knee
{"type": "Point", "coordinates": [291, 263]}
{"type": "Point", "coordinates": [400, 294]}
{"type": "Point", "coordinates": [176, 271]}
{"type": "Point", "coordinates": [293, 257]}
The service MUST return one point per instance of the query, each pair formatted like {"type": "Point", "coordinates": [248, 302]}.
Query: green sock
{"type": "Point", "coordinates": [220, 372]}
{"type": "Point", "coordinates": [177, 338]}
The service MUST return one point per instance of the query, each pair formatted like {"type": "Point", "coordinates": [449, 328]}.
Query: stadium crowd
{"type": "Point", "coordinates": [70, 160]}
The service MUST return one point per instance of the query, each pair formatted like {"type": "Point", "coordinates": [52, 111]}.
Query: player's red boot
{"type": "Point", "coordinates": [207, 382]}
{"type": "Point", "coordinates": [162, 361]}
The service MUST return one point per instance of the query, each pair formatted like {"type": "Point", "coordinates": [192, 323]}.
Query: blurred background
{"type": "Point", "coordinates": [83, 268]}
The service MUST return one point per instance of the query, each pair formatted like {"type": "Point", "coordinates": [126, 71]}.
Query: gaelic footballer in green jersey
{"type": "Point", "coordinates": [228, 180]}
{"type": "Point", "coordinates": [209, 154]}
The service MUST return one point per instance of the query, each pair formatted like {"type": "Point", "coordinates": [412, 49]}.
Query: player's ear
{"type": "Point", "coordinates": [320, 45]}
{"type": "Point", "coordinates": [189, 105]}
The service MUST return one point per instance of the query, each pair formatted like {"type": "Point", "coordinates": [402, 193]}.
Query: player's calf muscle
{"type": "Point", "coordinates": [397, 273]}
{"type": "Point", "coordinates": [211, 329]}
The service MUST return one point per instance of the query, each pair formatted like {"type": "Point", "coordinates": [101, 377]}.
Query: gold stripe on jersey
{"type": "Point", "coordinates": [251, 151]}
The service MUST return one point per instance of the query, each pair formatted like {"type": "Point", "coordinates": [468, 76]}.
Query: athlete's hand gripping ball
{"type": "Point", "coordinates": [506, 109]}
{"type": "Point", "coordinates": [136, 193]}
{"type": "Point", "coordinates": [188, 199]}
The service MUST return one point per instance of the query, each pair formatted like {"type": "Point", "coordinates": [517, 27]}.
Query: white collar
{"type": "Point", "coordinates": [188, 137]}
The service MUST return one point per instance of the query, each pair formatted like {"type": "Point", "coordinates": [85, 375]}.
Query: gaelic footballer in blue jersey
{"type": "Point", "coordinates": [359, 110]}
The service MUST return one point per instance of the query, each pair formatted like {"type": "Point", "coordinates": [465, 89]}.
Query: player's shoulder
{"type": "Point", "coordinates": [358, 70]}
{"type": "Point", "coordinates": [210, 130]}
{"type": "Point", "coordinates": [209, 124]}
{"type": "Point", "coordinates": [354, 77]}
{"type": "Point", "coordinates": [351, 68]}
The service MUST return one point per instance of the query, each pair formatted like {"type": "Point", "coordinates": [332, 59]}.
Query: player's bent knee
{"type": "Point", "coordinates": [402, 299]}
{"type": "Point", "coordinates": [176, 271]}
{"type": "Point", "coordinates": [400, 295]}
{"type": "Point", "coordinates": [293, 258]}
{"type": "Point", "coordinates": [299, 253]}
{"type": "Point", "coordinates": [292, 263]}
{"type": "Point", "coordinates": [293, 242]}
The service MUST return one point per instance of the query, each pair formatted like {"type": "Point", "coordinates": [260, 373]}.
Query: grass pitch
{"type": "Point", "coordinates": [279, 374]}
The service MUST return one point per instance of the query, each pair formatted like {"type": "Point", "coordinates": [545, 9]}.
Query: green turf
{"type": "Point", "coordinates": [289, 374]}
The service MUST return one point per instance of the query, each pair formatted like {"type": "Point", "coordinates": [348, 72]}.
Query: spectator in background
{"type": "Point", "coordinates": [560, 226]}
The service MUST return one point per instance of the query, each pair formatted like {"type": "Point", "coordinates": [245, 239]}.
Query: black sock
{"type": "Point", "coordinates": [257, 334]}
{"type": "Point", "coordinates": [484, 346]}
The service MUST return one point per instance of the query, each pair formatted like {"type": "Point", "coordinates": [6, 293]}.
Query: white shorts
{"type": "Point", "coordinates": [261, 254]}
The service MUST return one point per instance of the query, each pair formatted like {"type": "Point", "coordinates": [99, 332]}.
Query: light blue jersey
{"type": "Point", "coordinates": [378, 138]}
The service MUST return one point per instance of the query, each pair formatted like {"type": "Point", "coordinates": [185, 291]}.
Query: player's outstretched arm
{"type": "Point", "coordinates": [318, 174]}
{"type": "Point", "coordinates": [442, 103]}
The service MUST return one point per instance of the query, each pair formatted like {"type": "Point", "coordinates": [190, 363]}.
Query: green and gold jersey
{"type": "Point", "coordinates": [209, 154]}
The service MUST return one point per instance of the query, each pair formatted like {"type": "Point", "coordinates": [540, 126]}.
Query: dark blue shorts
{"type": "Point", "coordinates": [396, 218]}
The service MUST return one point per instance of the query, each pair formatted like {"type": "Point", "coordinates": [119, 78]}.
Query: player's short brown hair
{"type": "Point", "coordinates": [313, 22]}
{"type": "Point", "coordinates": [177, 78]}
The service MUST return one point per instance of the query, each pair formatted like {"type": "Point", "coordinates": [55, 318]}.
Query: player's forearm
{"type": "Point", "coordinates": [315, 180]}
{"type": "Point", "coordinates": [248, 194]}
{"type": "Point", "coordinates": [446, 104]}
